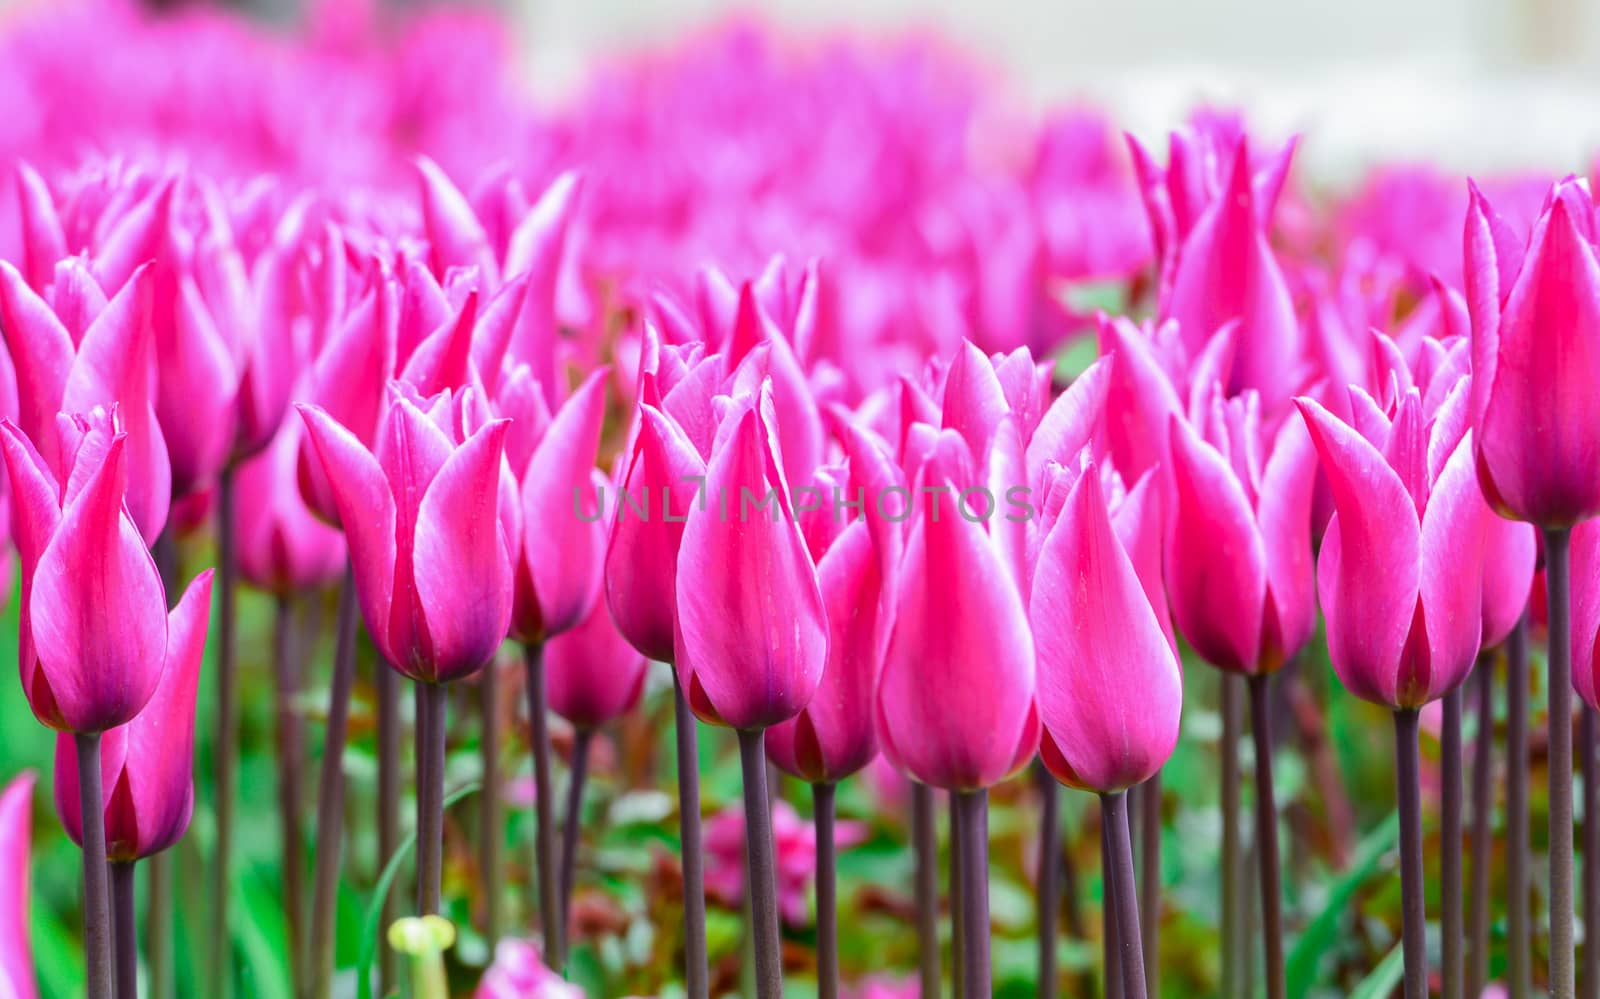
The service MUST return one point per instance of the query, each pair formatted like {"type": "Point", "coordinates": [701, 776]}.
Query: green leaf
{"type": "Point", "coordinates": [260, 937]}
{"type": "Point", "coordinates": [1380, 982]}
{"type": "Point", "coordinates": [1323, 932]}
{"type": "Point", "coordinates": [370, 928]}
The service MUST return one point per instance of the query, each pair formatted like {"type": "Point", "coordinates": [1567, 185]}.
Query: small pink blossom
{"type": "Point", "coordinates": [795, 841]}
{"type": "Point", "coordinates": [519, 972]}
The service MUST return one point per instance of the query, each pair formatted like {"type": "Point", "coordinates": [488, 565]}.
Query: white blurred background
{"type": "Point", "coordinates": [1472, 84]}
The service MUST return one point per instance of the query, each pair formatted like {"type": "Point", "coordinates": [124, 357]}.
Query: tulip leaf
{"type": "Point", "coordinates": [371, 931]}
{"type": "Point", "coordinates": [1322, 933]}
{"type": "Point", "coordinates": [1380, 982]}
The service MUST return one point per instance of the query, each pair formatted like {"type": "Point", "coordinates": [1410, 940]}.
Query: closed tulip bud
{"type": "Point", "coordinates": [147, 765]}
{"type": "Point", "coordinates": [16, 831]}
{"type": "Point", "coordinates": [80, 351]}
{"type": "Point", "coordinates": [348, 380]}
{"type": "Point", "coordinates": [94, 620]}
{"type": "Point", "coordinates": [283, 548]}
{"type": "Point", "coordinates": [834, 735]}
{"type": "Point", "coordinates": [662, 479]}
{"type": "Point", "coordinates": [1110, 690]}
{"type": "Point", "coordinates": [956, 693]}
{"type": "Point", "coordinates": [1401, 570]}
{"type": "Point", "coordinates": [560, 554]}
{"type": "Point", "coordinates": [749, 654]}
{"type": "Point", "coordinates": [429, 541]}
{"type": "Point", "coordinates": [1238, 542]}
{"type": "Point", "coordinates": [1535, 316]}
{"type": "Point", "coordinates": [592, 675]}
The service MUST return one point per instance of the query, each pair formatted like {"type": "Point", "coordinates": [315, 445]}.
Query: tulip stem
{"type": "Point", "coordinates": [286, 732]}
{"type": "Point", "coordinates": [226, 745]}
{"type": "Point", "coordinates": [544, 842]}
{"type": "Point", "coordinates": [1049, 892]}
{"type": "Point", "coordinates": [697, 976]}
{"type": "Point", "coordinates": [125, 931]}
{"type": "Point", "coordinates": [1481, 846]}
{"type": "Point", "coordinates": [763, 893]}
{"type": "Point", "coordinates": [972, 817]}
{"type": "Point", "coordinates": [1450, 869]}
{"type": "Point", "coordinates": [158, 924]}
{"type": "Point", "coordinates": [582, 740]}
{"type": "Point", "coordinates": [925, 845]}
{"type": "Point", "coordinates": [1150, 880]}
{"type": "Point", "coordinates": [1267, 836]}
{"type": "Point", "coordinates": [1519, 972]}
{"type": "Point", "coordinates": [1233, 943]}
{"type": "Point", "coordinates": [1125, 894]}
{"type": "Point", "coordinates": [490, 832]}
{"type": "Point", "coordinates": [431, 707]}
{"type": "Point", "coordinates": [1590, 978]}
{"type": "Point", "coordinates": [1591, 783]}
{"type": "Point", "coordinates": [958, 936]}
{"type": "Point", "coordinates": [1413, 908]}
{"type": "Point", "coordinates": [96, 888]}
{"type": "Point", "coordinates": [330, 795]}
{"type": "Point", "coordinates": [827, 893]}
{"type": "Point", "coordinates": [387, 684]}
{"type": "Point", "coordinates": [158, 868]}
{"type": "Point", "coordinates": [1110, 939]}
{"type": "Point", "coordinates": [1556, 557]}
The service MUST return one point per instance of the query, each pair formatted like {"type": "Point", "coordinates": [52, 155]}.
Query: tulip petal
{"type": "Point", "coordinates": [592, 675]}
{"type": "Point", "coordinates": [41, 351]}
{"type": "Point", "coordinates": [563, 538]}
{"type": "Point", "coordinates": [1073, 420]}
{"type": "Point", "coordinates": [956, 689]}
{"type": "Point", "coordinates": [1109, 689]}
{"type": "Point", "coordinates": [1288, 486]}
{"type": "Point", "coordinates": [834, 736]}
{"type": "Point", "coordinates": [160, 740]}
{"type": "Point", "coordinates": [460, 565]}
{"type": "Point", "coordinates": [366, 507]}
{"type": "Point", "coordinates": [455, 236]}
{"type": "Point", "coordinates": [1535, 428]}
{"type": "Point", "coordinates": [660, 486]}
{"type": "Point", "coordinates": [97, 610]}
{"type": "Point", "coordinates": [1454, 529]}
{"type": "Point", "coordinates": [1215, 557]}
{"type": "Point", "coordinates": [750, 611]}
{"type": "Point", "coordinates": [1369, 576]}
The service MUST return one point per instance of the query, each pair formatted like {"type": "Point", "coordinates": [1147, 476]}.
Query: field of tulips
{"type": "Point", "coordinates": [788, 519]}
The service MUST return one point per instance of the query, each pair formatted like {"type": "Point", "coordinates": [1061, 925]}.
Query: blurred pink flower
{"type": "Point", "coordinates": [796, 845]}
{"type": "Point", "coordinates": [519, 972]}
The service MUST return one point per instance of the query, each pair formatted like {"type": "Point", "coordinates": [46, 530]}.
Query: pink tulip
{"type": "Point", "coordinates": [560, 556]}
{"type": "Point", "coordinates": [1110, 690]}
{"type": "Point", "coordinates": [348, 380]}
{"type": "Point", "coordinates": [662, 475]}
{"type": "Point", "coordinates": [147, 765]}
{"type": "Point", "coordinates": [283, 548]}
{"type": "Point", "coordinates": [429, 537]}
{"type": "Point", "coordinates": [1401, 573]}
{"type": "Point", "coordinates": [1586, 611]}
{"type": "Point", "coordinates": [592, 675]}
{"type": "Point", "coordinates": [79, 351]}
{"type": "Point", "coordinates": [833, 736]}
{"type": "Point", "coordinates": [93, 621]}
{"type": "Point", "coordinates": [16, 831]}
{"type": "Point", "coordinates": [1238, 544]}
{"type": "Point", "coordinates": [1220, 262]}
{"type": "Point", "coordinates": [956, 693]}
{"type": "Point", "coordinates": [748, 656]}
{"type": "Point", "coordinates": [1535, 316]}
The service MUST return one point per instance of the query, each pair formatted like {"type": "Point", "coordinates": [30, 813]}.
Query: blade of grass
{"type": "Point", "coordinates": [1381, 981]}
{"type": "Point", "coordinates": [1325, 928]}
